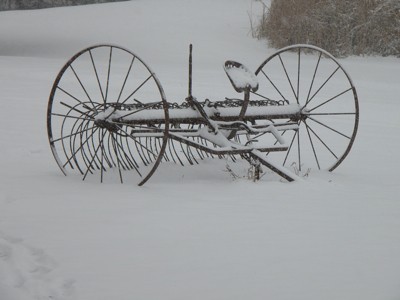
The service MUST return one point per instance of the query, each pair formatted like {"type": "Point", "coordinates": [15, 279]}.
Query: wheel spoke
{"type": "Point", "coordinates": [323, 143]}
{"type": "Point", "coordinates": [298, 77]}
{"type": "Point", "coordinates": [330, 128]}
{"type": "Point", "coordinates": [70, 95]}
{"type": "Point", "coordinates": [102, 158]}
{"type": "Point", "coordinates": [126, 78]}
{"type": "Point", "coordinates": [72, 117]}
{"type": "Point", "coordinates": [97, 76]}
{"type": "Point", "coordinates": [266, 76]}
{"type": "Point", "coordinates": [313, 79]}
{"type": "Point", "coordinates": [257, 94]}
{"type": "Point", "coordinates": [332, 114]}
{"type": "Point", "coordinates": [146, 106]}
{"type": "Point", "coordinates": [299, 149]}
{"type": "Point", "coordinates": [333, 98]}
{"type": "Point", "coordinates": [290, 146]}
{"type": "Point", "coordinates": [108, 75]}
{"type": "Point", "coordinates": [321, 87]}
{"type": "Point", "coordinates": [312, 145]}
{"type": "Point", "coordinates": [72, 134]}
{"type": "Point", "coordinates": [138, 88]}
{"type": "Point", "coordinates": [83, 87]}
{"type": "Point", "coordinates": [73, 108]}
{"type": "Point", "coordinates": [288, 78]}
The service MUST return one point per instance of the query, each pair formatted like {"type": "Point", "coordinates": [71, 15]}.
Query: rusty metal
{"type": "Point", "coordinates": [108, 111]}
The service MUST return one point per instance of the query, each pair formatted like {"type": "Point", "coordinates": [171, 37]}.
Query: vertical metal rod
{"type": "Point", "coordinates": [190, 70]}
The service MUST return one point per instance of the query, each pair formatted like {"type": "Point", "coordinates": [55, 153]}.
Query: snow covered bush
{"type": "Point", "coordinates": [344, 27]}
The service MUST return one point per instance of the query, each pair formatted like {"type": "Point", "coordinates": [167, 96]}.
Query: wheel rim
{"type": "Point", "coordinates": [328, 122]}
{"type": "Point", "coordinates": [83, 131]}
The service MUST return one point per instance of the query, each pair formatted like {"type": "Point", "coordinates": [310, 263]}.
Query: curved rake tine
{"type": "Point", "coordinates": [85, 157]}
{"type": "Point", "coordinates": [110, 153]}
{"type": "Point", "coordinates": [173, 147]}
{"type": "Point", "coordinates": [128, 155]}
{"type": "Point", "coordinates": [150, 151]}
{"type": "Point", "coordinates": [170, 149]}
{"type": "Point", "coordinates": [142, 147]}
{"type": "Point", "coordinates": [104, 152]}
{"type": "Point", "coordinates": [118, 154]}
{"type": "Point", "coordinates": [97, 161]}
{"type": "Point", "coordinates": [142, 157]}
{"type": "Point", "coordinates": [108, 157]}
{"type": "Point", "coordinates": [80, 137]}
{"type": "Point", "coordinates": [129, 163]}
{"type": "Point", "coordinates": [130, 152]}
{"type": "Point", "coordinates": [154, 153]}
{"type": "Point", "coordinates": [75, 152]}
{"type": "Point", "coordinates": [72, 147]}
{"type": "Point", "coordinates": [124, 155]}
{"type": "Point", "coordinates": [204, 143]}
{"type": "Point", "coordinates": [63, 140]}
{"type": "Point", "coordinates": [186, 155]}
{"type": "Point", "coordinates": [102, 156]}
{"type": "Point", "coordinates": [191, 154]}
{"type": "Point", "coordinates": [98, 147]}
{"type": "Point", "coordinates": [198, 150]}
{"type": "Point", "coordinates": [165, 156]}
{"type": "Point", "coordinates": [117, 157]}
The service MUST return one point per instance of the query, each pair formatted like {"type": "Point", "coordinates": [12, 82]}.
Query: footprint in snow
{"type": "Point", "coordinates": [27, 273]}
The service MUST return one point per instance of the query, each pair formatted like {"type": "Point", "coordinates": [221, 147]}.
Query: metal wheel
{"type": "Point", "coordinates": [95, 90]}
{"type": "Point", "coordinates": [328, 122]}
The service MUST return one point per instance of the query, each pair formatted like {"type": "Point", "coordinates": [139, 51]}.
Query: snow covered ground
{"type": "Point", "coordinates": [193, 232]}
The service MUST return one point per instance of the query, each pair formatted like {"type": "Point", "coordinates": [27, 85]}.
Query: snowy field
{"type": "Point", "coordinates": [191, 232]}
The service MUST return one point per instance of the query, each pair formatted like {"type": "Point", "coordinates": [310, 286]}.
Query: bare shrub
{"type": "Point", "coordinates": [343, 27]}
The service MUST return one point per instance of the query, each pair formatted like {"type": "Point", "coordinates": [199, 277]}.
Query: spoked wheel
{"type": "Point", "coordinates": [328, 120]}
{"type": "Point", "coordinates": [93, 95]}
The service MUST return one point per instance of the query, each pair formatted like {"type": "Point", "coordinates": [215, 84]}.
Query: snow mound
{"type": "Point", "coordinates": [27, 273]}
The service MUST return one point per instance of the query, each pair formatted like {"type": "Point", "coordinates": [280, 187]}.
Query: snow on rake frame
{"type": "Point", "coordinates": [108, 114]}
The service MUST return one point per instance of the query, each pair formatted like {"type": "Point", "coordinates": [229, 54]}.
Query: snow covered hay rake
{"type": "Point", "coordinates": [108, 114]}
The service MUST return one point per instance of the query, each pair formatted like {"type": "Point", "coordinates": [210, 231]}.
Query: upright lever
{"type": "Point", "coordinates": [192, 100]}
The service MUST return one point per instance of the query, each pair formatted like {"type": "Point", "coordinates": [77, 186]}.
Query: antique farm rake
{"type": "Point", "coordinates": [108, 114]}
